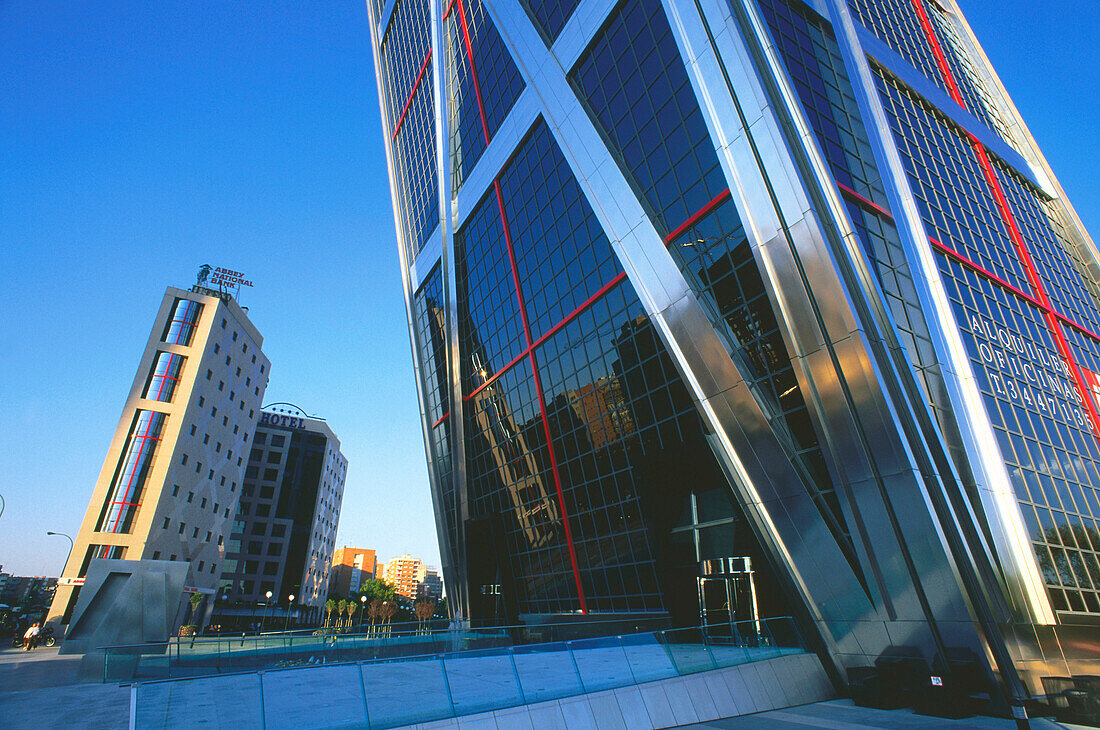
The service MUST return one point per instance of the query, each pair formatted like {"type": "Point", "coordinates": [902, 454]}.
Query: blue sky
{"type": "Point", "coordinates": [140, 140]}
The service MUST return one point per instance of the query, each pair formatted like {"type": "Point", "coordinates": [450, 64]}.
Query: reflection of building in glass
{"type": "Point", "coordinates": [286, 521]}
{"type": "Point", "coordinates": [839, 320]}
{"type": "Point", "coordinates": [170, 484]}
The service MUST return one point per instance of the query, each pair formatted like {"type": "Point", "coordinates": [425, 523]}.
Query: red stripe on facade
{"type": "Point", "coordinates": [968, 263]}
{"type": "Point", "coordinates": [538, 393]}
{"type": "Point", "coordinates": [144, 438]}
{"type": "Point", "coordinates": [863, 202]}
{"type": "Point", "coordinates": [441, 419]}
{"type": "Point", "coordinates": [1009, 220]}
{"type": "Point", "coordinates": [473, 68]}
{"type": "Point", "coordinates": [496, 376]}
{"type": "Point", "coordinates": [512, 261]}
{"type": "Point", "coordinates": [409, 101]}
{"type": "Point", "coordinates": [714, 203]}
{"type": "Point", "coordinates": [937, 51]}
{"type": "Point", "coordinates": [557, 485]}
{"type": "Point", "coordinates": [551, 332]}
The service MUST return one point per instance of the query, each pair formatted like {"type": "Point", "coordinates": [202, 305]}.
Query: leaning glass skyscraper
{"type": "Point", "coordinates": [772, 297]}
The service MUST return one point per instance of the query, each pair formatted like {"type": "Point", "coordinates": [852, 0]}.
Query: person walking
{"type": "Point", "coordinates": [30, 639]}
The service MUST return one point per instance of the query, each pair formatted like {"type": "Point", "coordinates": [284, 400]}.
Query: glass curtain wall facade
{"type": "Point", "coordinates": [768, 279]}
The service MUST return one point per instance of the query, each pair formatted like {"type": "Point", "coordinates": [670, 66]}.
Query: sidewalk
{"type": "Point", "coordinates": [41, 689]}
{"type": "Point", "coordinates": [843, 714]}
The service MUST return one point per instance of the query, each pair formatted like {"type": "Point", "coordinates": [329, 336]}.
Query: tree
{"type": "Point", "coordinates": [389, 610]}
{"type": "Point", "coordinates": [374, 612]}
{"type": "Point", "coordinates": [341, 609]}
{"type": "Point", "coordinates": [423, 610]}
{"type": "Point", "coordinates": [349, 609]}
{"type": "Point", "coordinates": [330, 606]}
{"type": "Point", "coordinates": [375, 588]}
{"type": "Point", "coordinates": [196, 599]}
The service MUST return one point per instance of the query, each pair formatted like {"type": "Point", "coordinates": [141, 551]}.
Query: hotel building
{"type": "Point", "coordinates": [169, 485]}
{"type": "Point", "coordinates": [284, 533]}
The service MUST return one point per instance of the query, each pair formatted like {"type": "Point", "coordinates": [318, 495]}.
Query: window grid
{"type": "Point", "coordinates": [812, 59]}
{"type": "Point", "coordinates": [551, 16]}
{"type": "Point", "coordinates": [898, 24]}
{"type": "Point", "coordinates": [431, 324]}
{"type": "Point", "coordinates": [164, 377]}
{"type": "Point", "coordinates": [410, 112]}
{"type": "Point", "coordinates": [633, 82]}
{"type": "Point", "coordinates": [481, 89]}
{"type": "Point", "coordinates": [181, 325]}
{"type": "Point", "coordinates": [132, 472]}
{"type": "Point", "coordinates": [948, 183]}
{"type": "Point", "coordinates": [1044, 434]}
{"type": "Point", "coordinates": [1057, 262]}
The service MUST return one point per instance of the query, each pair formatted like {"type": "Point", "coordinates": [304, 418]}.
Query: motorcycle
{"type": "Point", "coordinates": [45, 638]}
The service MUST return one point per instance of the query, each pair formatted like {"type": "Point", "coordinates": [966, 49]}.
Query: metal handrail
{"type": "Point", "coordinates": [389, 632]}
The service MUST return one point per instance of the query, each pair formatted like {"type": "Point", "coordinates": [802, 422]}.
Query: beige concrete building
{"type": "Point", "coordinates": [403, 573]}
{"type": "Point", "coordinates": [429, 585]}
{"type": "Point", "coordinates": [170, 483]}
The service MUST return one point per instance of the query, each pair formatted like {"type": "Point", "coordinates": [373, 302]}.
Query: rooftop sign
{"type": "Point", "coordinates": [228, 278]}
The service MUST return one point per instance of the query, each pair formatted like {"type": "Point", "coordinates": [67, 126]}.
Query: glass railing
{"type": "Point", "coordinates": [392, 692]}
{"type": "Point", "coordinates": [199, 656]}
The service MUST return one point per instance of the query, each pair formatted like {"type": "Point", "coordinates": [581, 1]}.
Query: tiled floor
{"type": "Point", "coordinates": [41, 689]}
{"type": "Point", "coordinates": [844, 714]}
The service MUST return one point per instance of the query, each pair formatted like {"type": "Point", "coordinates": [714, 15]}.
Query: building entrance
{"type": "Point", "coordinates": [727, 598]}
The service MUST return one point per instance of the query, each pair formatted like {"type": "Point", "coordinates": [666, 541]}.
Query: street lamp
{"type": "Point", "coordinates": [61, 534]}
{"type": "Point", "coordinates": [263, 621]}
{"type": "Point", "coordinates": [362, 610]}
{"type": "Point", "coordinates": [289, 606]}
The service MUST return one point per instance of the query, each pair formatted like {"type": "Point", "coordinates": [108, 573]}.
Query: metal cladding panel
{"type": "Point", "coordinates": [827, 367]}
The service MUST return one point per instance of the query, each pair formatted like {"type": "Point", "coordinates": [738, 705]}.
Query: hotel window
{"type": "Point", "coordinates": [164, 377]}
{"type": "Point", "coordinates": [132, 472]}
{"type": "Point", "coordinates": [181, 326]}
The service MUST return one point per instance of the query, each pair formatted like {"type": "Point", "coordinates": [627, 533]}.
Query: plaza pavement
{"type": "Point", "coordinates": [39, 689]}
